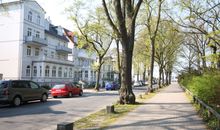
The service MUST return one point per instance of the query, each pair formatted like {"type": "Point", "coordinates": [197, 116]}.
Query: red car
{"type": "Point", "coordinates": [66, 90]}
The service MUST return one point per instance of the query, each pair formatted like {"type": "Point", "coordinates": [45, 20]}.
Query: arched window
{"type": "Point", "coordinates": [65, 73]}
{"type": "Point", "coordinates": [30, 16]}
{"type": "Point", "coordinates": [28, 71]}
{"type": "Point", "coordinates": [54, 71]}
{"type": "Point", "coordinates": [60, 72]}
{"type": "Point", "coordinates": [70, 72]}
{"type": "Point", "coordinates": [47, 71]}
{"type": "Point", "coordinates": [35, 71]}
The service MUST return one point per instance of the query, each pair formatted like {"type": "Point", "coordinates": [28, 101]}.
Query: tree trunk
{"type": "Point", "coordinates": [98, 78]}
{"type": "Point", "coordinates": [163, 76]}
{"type": "Point", "coordinates": [144, 74]}
{"type": "Point", "coordinates": [167, 76]}
{"type": "Point", "coordinates": [152, 64]}
{"type": "Point", "coordinates": [160, 73]}
{"type": "Point", "coordinates": [138, 73]}
{"type": "Point", "coordinates": [119, 62]}
{"type": "Point", "coordinates": [98, 74]}
{"type": "Point", "coordinates": [170, 76]}
{"type": "Point", "coordinates": [126, 94]}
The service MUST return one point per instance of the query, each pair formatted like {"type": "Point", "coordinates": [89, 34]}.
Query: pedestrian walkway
{"type": "Point", "coordinates": [168, 110]}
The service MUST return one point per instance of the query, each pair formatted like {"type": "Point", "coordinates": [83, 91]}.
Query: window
{"type": "Point", "coordinates": [28, 71]}
{"type": "Point", "coordinates": [37, 51]}
{"type": "Point", "coordinates": [35, 71]}
{"type": "Point", "coordinates": [29, 32]}
{"type": "Point", "coordinates": [65, 73]}
{"type": "Point", "coordinates": [33, 85]}
{"type": "Point", "coordinates": [20, 84]}
{"type": "Point", "coordinates": [54, 71]}
{"type": "Point", "coordinates": [40, 71]}
{"type": "Point", "coordinates": [75, 75]}
{"type": "Point", "coordinates": [47, 71]}
{"type": "Point", "coordinates": [30, 16]}
{"type": "Point", "coordinates": [91, 73]}
{"type": "Point", "coordinates": [45, 52]}
{"type": "Point", "coordinates": [52, 54]}
{"type": "Point", "coordinates": [60, 72]}
{"type": "Point", "coordinates": [86, 74]}
{"type": "Point", "coordinates": [28, 50]}
{"type": "Point", "coordinates": [71, 73]}
{"type": "Point", "coordinates": [38, 19]}
{"type": "Point", "coordinates": [37, 34]}
{"type": "Point", "coordinates": [80, 74]}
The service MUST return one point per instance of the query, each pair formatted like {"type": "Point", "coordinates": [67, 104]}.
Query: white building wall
{"type": "Point", "coordinates": [10, 41]}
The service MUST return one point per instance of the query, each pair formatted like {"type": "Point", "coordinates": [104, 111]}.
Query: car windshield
{"type": "Point", "coordinates": [59, 86]}
{"type": "Point", "coordinates": [3, 84]}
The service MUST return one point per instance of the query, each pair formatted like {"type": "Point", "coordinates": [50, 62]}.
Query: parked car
{"type": "Point", "coordinates": [66, 90]}
{"type": "Point", "coordinates": [18, 91]}
{"type": "Point", "coordinates": [111, 85]}
{"type": "Point", "coordinates": [137, 84]}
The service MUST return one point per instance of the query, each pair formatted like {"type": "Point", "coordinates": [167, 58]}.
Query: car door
{"type": "Point", "coordinates": [20, 88]}
{"type": "Point", "coordinates": [75, 90]}
{"type": "Point", "coordinates": [35, 90]}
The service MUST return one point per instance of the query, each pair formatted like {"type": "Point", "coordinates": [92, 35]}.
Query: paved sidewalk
{"type": "Point", "coordinates": [168, 110]}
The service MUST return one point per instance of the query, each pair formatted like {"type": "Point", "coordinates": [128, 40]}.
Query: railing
{"type": "Point", "coordinates": [63, 49]}
{"type": "Point", "coordinates": [53, 60]}
{"type": "Point", "coordinates": [204, 107]}
{"type": "Point", "coordinates": [36, 41]}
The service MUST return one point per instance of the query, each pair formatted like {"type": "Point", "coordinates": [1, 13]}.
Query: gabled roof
{"type": "Point", "coordinates": [6, 2]}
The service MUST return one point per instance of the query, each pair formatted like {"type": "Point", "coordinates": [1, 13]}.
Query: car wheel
{"type": "Point", "coordinates": [44, 98]}
{"type": "Point", "coordinates": [16, 101]}
{"type": "Point", "coordinates": [70, 94]}
{"type": "Point", "coordinates": [81, 93]}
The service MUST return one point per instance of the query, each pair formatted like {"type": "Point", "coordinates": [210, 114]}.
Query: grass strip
{"type": "Point", "coordinates": [100, 120]}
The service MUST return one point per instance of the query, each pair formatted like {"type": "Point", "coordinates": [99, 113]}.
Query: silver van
{"type": "Point", "coordinates": [17, 91]}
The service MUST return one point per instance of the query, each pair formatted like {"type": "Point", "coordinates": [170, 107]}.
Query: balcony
{"type": "Point", "coordinates": [63, 49]}
{"type": "Point", "coordinates": [35, 41]}
{"type": "Point", "coordinates": [53, 60]}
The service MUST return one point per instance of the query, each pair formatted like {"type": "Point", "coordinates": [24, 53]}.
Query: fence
{"type": "Point", "coordinates": [204, 107]}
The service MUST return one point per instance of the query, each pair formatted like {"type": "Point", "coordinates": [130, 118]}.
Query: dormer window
{"type": "Point", "coordinates": [30, 16]}
{"type": "Point", "coordinates": [38, 19]}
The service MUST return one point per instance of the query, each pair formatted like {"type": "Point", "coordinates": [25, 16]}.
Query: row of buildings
{"type": "Point", "coordinates": [32, 48]}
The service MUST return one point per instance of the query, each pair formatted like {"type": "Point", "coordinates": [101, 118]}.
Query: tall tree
{"type": "Point", "coordinates": [152, 24]}
{"type": "Point", "coordinates": [123, 25]}
{"type": "Point", "coordinates": [96, 35]}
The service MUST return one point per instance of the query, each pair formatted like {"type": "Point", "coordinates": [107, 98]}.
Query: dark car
{"type": "Point", "coordinates": [18, 91]}
{"type": "Point", "coordinates": [111, 86]}
{"type": "Point", "coordinates": [66, 90]}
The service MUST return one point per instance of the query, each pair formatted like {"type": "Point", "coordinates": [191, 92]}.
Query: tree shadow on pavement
{"type": "Point", "coordinates": [30, 108]}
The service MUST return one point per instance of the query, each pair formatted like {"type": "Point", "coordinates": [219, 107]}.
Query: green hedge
{"type": "Point", "coordinates": [205, 86]}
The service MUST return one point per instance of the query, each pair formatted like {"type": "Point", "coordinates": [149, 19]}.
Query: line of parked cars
{"type": "Point", "coordinates": [16, 92]}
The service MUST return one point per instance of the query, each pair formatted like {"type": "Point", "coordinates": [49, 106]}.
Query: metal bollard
{"type": "Point", "coordinates": [110, 109]}
{"type": "Point", "coordinates": [65, 126]}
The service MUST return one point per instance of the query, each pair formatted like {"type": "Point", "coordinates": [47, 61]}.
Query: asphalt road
{"type": "Point", "coordinates": [45, 116]}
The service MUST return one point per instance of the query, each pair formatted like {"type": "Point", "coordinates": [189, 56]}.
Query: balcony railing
{"type": "Point", "coordinates": [35, 41]}
{"type": "Point", "coordinates": [63, 49]}
{"type": "Point", "coordinates": [54, 60]}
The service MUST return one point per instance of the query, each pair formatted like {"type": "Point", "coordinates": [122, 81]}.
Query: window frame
{"type": "Point", "coordinates": [28, 50]}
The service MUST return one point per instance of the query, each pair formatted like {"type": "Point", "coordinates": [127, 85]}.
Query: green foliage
{"type": "Point", "coordinates": [205, 86]}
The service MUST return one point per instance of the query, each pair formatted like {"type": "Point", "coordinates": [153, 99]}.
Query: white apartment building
{"type": "Point", "coordinates": [83, 62]}
{"type": "Point", "coordinates": [30, 46]}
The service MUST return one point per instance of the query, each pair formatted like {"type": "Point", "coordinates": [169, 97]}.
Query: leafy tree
{"type": "Point", "coordinates": [123, 23]}
{"type": "Point", "coordinates": [152, 23]}
{"type": "Point", "coordinates": [96, 35]}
